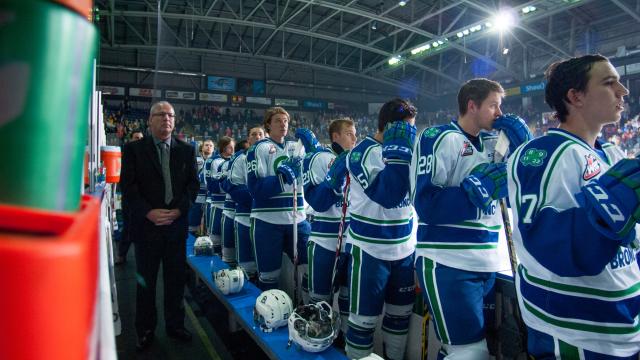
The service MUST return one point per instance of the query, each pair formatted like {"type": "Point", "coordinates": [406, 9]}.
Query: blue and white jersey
{"type": "Point", "coordinates": [381, 215]}
{"type": "Point", "coordinates": [202, 191]}
{"type": "Point", "coordinates": [239, 191]}
{"type": "Point", "coordinates": [452, 230]}
{"type": "Point", "coordinates": [212, 165]}
{"type": "Point", "coordinates": [573, 282]}
{"type": "Point", "coordinates": [325, 205]}
{"type": "Point", "coordinates": [272, 197]}
{"type": "Point", "coordinates": [229, 207]}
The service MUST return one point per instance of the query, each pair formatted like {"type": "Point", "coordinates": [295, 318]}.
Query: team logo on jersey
{"type": "Point", "coordinates": [277, 162]}
{"type": "Point", "coordinates": [467, 149]}
{"type": "Point", "coordinates": [431, 132]}
{"type": "Point", "coordinates": [533, 157]}
{"type": "Point", "coordinates": [272, 149]}
{"type": "Point", "coordinates": [592, 168]}
{"type": "Point", "coordinates": [355, 157]}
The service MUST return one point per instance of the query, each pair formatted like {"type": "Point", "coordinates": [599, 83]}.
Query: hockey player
{"type": "Point", "coordinates": [379, 239]}
{"type": "Point", "coordinates": [236, 186]}
{"type": "Point", "coordinates": [212, 165]}
{"type": "Point", "coordinates": [195, 212]}
{"type": "Point", "coordinates": [229, 208]}
{"type": "Point", "coordinates": [273, 166]}
{"type": "Point", "coordinates": [576, 205]}
{"type": "Point", "coordinates": [455, 186]}
{"type": "Point", "coordinates": [325, 172]}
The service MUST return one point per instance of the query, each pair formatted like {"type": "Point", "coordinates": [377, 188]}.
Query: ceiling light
{"type": "Point", "coordinates": [395, 60]}
{"type": "Point", "coordinates": [374, 25]}
{"type": "Point", "coordinates": [505, 51]}
{"type": "Point", "coordinates": [504, 21]}
{"type": "Point", "coordinates": [402, 3]}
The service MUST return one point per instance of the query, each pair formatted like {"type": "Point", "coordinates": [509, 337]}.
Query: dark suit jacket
{"type": "Point", "coordinates": [143, 186]}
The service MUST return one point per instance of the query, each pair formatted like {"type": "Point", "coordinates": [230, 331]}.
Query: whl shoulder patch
{"type": "Point", "coordinates": [592, 167]}
{"type": "Point", "coordinates": [467, 149]}
{"type": "Point", "coordinates": [533, 157]}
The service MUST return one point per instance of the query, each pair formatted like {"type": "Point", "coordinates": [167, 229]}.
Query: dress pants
{"type": "Point", "coordinates": [150, 252]}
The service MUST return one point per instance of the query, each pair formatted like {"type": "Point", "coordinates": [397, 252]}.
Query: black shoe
{"type": "Point", "coordinates": [145, 340]}
{"type": "Point", "coordinates": [180, 334]}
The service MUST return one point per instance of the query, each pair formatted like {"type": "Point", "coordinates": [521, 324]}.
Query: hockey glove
{"type": "Point", "coordinates": [613, 200]}
{"type": "Point", "coordinates": [289, 169]}
{"type": "Point", "coordinates": [515, 128]}
{"type": "Point", "coordinates": [485, 183]}
{"type": "Point", "coordinates": [309, 140]}
{"type": "Point", "coordinates": [397, 143]}
{"type": "Point", "coordinates": [337, 174]}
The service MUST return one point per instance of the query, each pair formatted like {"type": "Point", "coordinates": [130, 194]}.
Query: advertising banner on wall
{"type": "Point", "coordinates": [111, 90]}
{"type": "Point", "coordinates": [221, 83]}
{"type": "Point", "coordinates": [258, 100]}
{"type": "Point", "coordinates": [286, 102]}
{"type": "Point", "coordinates": [184, 95]}
{"type": "Point", "coordinates": [145, 92]}
{"type": "Point", "coordinates": [314, 104]}
{"type": "Point", "coordinates": [538, 86]}
{"type": "Point", "coordinates": [213, 97]}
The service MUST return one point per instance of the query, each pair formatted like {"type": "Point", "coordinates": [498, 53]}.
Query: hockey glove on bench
{"type": "Point", "coordinates": [613, 200]}
{"type": "Point", "coordinates": [485, 183]}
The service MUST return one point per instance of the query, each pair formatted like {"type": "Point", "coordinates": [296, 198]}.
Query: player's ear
{"type": "Point", "coordinates": [471, 106]}
{"type": "Point", "coordinates": [575, 97]}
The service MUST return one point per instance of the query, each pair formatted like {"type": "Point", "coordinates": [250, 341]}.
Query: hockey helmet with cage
{"type": "Point", "coordinates": [229, 281]}
{"type": "Point", "coordinates": [313, 327]}
{"type": "Point", "coordinates": [203, 246]}
{"type": "Point", "coordinates": [272, 309]}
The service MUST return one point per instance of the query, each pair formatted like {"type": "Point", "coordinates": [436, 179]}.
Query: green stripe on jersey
{"type": "Point", "coordinates": [455, 246]}
{"type": "Point", "coordinates": [582, 290]}
{"type": "Point", "coordinates": [622, 329]}
{"type": "Point", "coordinates": [378, 241]}
{"type": "Point", "coordinates": [377, 222]}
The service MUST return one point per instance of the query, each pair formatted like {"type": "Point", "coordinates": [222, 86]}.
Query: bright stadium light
{"type": "Point", "coordinates": [402, 3]}
{"type": "Point", "coordinates": [460, 34]}
{"type": "Point", "coordinates": [395, 60]}
{"type": "Point", "coordinates": [420, 49]}
{"type": "Point", "coordinates": [505, 51]}
{"type": "Point", "coordinates": [504, 21]}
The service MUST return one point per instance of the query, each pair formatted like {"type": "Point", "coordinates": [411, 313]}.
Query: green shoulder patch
{"type": "Point", "coordinates": [533, 157]}
{"type": "Point", "coordinates": [355, 156]}
{"type": "Point", "coordinates": [431, 132]}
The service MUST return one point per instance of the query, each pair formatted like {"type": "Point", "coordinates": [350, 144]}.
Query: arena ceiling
{"type": "Point", "coordinates": [359, 37]}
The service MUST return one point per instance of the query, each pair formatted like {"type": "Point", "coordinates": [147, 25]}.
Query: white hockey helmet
{"type": "Point", "coordinates": [313, 327]}
{"type": "Point", "coordinates": [272, 309]}
{"type": "Point", "coordinates": [229, 281]}
{"type": "Point", "coordinates": [203, 246]}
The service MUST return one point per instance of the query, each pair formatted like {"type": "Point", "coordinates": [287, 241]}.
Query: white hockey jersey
{"type": "Point", "coordinates": [385, 233]}
{"type": "Point", "coordinates": [573, 282]}
{"type": "Point", "coordinates": [326, 224]}
{"type": "Point", "coordinates": [272, 197]}
{"type": "Point", "coordinates": [238, 177]}
{"type": "Point", "coordinates": [212, 177]}
{"type": "Point", "coordinates": [452, 231]}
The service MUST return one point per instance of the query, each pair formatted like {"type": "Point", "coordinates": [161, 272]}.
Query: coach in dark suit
{"type": "Point", "coordinates": [159, 183]}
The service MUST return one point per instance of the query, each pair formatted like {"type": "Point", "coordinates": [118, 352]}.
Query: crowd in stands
{"type": "Point", "coordinates": [210, 121]}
